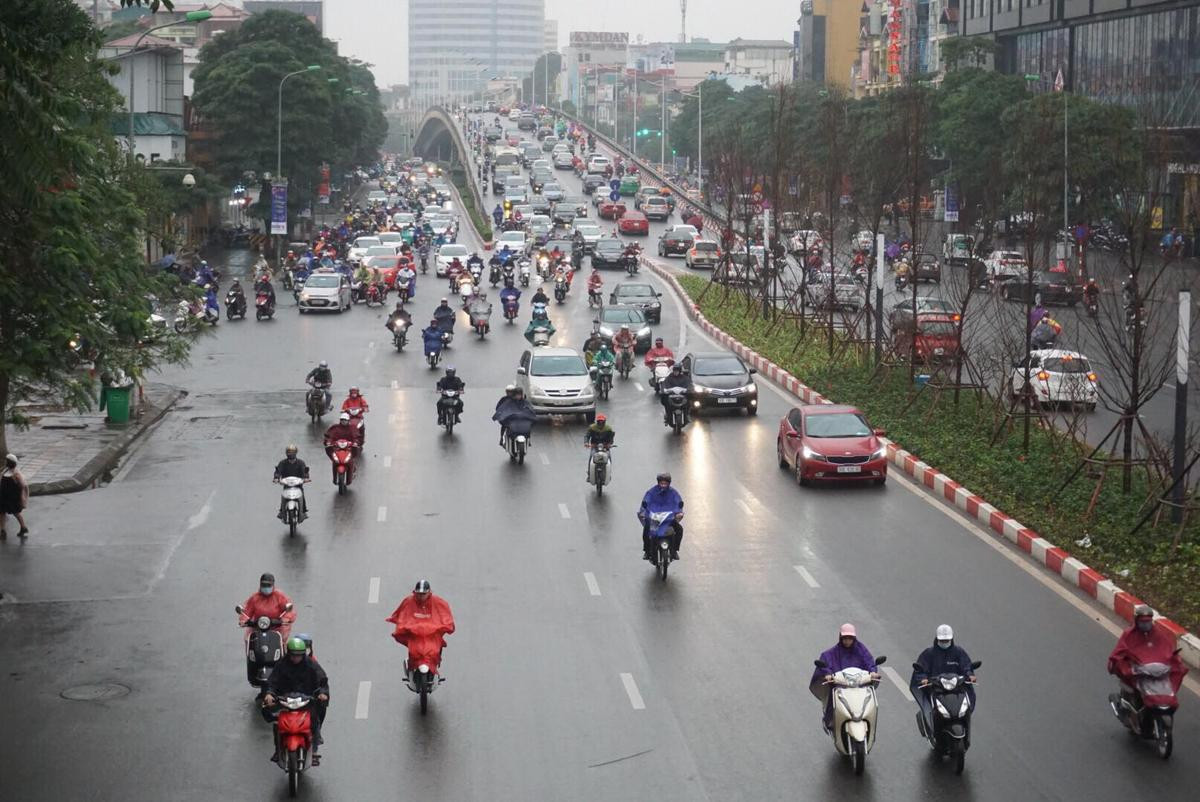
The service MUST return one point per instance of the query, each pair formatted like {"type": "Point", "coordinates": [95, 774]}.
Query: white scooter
{"type": "Point", "coordinates": [292, 505]}
{"type": "Point", "coordinates": [855, 707]}
{"type": "Point", "coordinates": [600, 468]}
{"type": "Point", "coordinates": [660, 369]}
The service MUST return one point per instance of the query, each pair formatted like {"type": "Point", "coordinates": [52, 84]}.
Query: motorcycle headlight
{"type": "Point", "coordinates": [941, 708]}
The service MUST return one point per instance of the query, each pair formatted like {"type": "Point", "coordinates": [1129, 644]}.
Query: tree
{"type": "Point", "coordinates": [70, 259]}
{"type": "Point", "coordinates": [545, 69]}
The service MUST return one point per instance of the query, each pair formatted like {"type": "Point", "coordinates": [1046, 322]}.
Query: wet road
{"type": "Point", "coordinates": [575, 673]}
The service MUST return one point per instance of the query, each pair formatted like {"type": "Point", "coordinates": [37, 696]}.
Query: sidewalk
{"type": "Point", "coordinates": [64, 452]}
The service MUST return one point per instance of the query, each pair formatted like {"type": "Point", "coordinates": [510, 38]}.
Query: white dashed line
{"type": "Point", "coordinates": [631, 688]}
{"type": "Point", "coordinates": [373, 591]}
{"type": "Point", "coordinates": [745, 507]}
{"type": "Point", "coordinates": [806, 576]}
{"type": "Point", "coordinates": [563, 511]}
{"type": "Point", "coordinates": [371, 344]}
{"type": "Point", "coordinates": [387, 461]}
{"type": "Point", "coordinates": [364, 699]}
{"type": "Point", "coordinates": [593, 586]}
{"type": "Point", "coordinates": [899, 682]}
{"type": "Point", "coordinates": [382, 515]}
{"type": "Point", "coordinates": [545, 459]}
{"type": "Point", "coordinates": [639, 387]}
{"type": "Point", "coordinates": [391, 420]}
{"type": "Point", "coordinates": [395, 384]}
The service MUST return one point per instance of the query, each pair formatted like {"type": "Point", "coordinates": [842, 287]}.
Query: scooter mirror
{"type": "Point", "coordinates": [976, 664]}
{"type": "Point", "coordinates": [880, 660]}
{"type": "Point", "coordinates": [820, 664]}
{"type": "Point", "coordinates": [918, 667]}
{"type": "Point", "coordinates": [288, 607]}
{"type": "Point", "coordinates": [237, 608]}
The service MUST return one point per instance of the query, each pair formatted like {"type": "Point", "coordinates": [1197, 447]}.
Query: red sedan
{"type": "Point", "coordinates": [612, 210]}
{"type": "Point", "coordinates": [822, 442]}
{"type": "Point", "coordinates": [634, 222]}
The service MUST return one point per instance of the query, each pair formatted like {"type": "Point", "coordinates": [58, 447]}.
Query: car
{"type": "Point", "coordinates": [644, 191]}
{"type": "Point", "coordinates": [656, 208]}
{"type": "Point", "coordinates": [629, 185]}
{"type": "Point", "coordinates": [548, 143]}
{"type": "Point", "coordinates": [592, 182]}
{"type": "Point", "coordinates": [539, 228]}
{"type": "Point", "coordinates": [676, 240]}
{"type": "Point", "coordinates": [515, 240]}
{"type": "Point", "coordinates": [404, 219]}
{"type": "Point", "coordinates": [382, 250]}
{"type": "Point", "coordinates": [553, 191]}
{"type": "Point", "coordinates": [612, 318]}
{"type": "Point", "coordinates": [608, 252]}
{"type": "Point", "coordinates": [556, 381]}
{"type": "Point", "coordinates": [513, 182]}
{"type": "Point", "coordinates": [325, 291]}
{"type": "Point", "coordinates": [720, 381]}
{"type": "Point", "coordinates": [539, 177]}
{"type": "Point", "coordinates": [447, 254]}
{"type": "Point", "coordinates": [514, 115]}
{"type": "Point", "coordinates": [530, 152]}
{"type": "Point", "coordinates": [597, 164]}
{"type": "Point", "coordinates": [439, 224]}
{"type": "Point", "coordinates": [830, 442]}
{"type": "Point", "coordinates": [493, 133]}
{"type": "Point", "coordinates": [541, 164]}
{"type": "Point", "coordinates": [376, 197]}
{"type": "Point", "coordinates": [934, 338]}
{"type": "Point", "coordinates": [515, 195]}
{"type": "Point", "coordinates": [1058, 377]}
{"type": "Point", "coordinates": [903, 311]}
{"type": "Point", "coordinates": [640, 295]}
{"type": "Point", "coordinates": [512, 140]}
{"type": "Point", "coordinates": [386, 267]}
{"type": "Point", "coordinates": [564, 213]}
{"type": "Point", "coordinates": [703, 253]}
{"type": "Point", "coordinates": [610, 209]}
{"type": "Point", "coordinates": [741, 269]}
{"type": "Point", "coordinates": [927, 268]}
{"type": "Point", "coordinates": [1047, 288]}
{"type": "Point", "coordinates": [846, 292]}
{"type": "Point", "coordinates": [633, 222]}
{"type": "Point", "coordinates": [1005, 265]}
{"type": "Point", "coordinates": [359, 249]}
{"type": "Point", "coordinates": [563, 160]}
{"type": "Point", "coordinates": [527, 122]}
{"type": "Point", "coordinates": [958, 249]}
{"type": "Point", "coordinates": [591, 235]}
{"type": "Point", "coordinates": [579, 202]}
{"type": "Point", "coordinates": [540, 204]}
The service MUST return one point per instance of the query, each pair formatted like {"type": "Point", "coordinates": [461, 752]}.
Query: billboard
{"type": "Point", "coordinates": [279, 207]}
{"type": "Point", "coordinates": [599, 39]}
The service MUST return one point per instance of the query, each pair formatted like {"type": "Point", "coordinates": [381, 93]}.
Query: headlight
{"type": "Point", "coordinates": [587, 390]}
{"type": "Point", "coordinates": [879, 453]}
{"type": "Point", "coordinates": [535, 390]}
{"type": "Point", "coordinates": [966, 705]}
{"type": "Point", "coordinates": [655, 304]}
{"type": "Point", "coordinates": [750, 388]}
{"type": "Point", "coordinates": [644, 331]}
{"type": "Point", "coordinates": [606, 331]}
{"type": "Point", "coordinates": [305, 297]}
{"type": "Point", "coordinates": [808, 453]}
{"type": "Point", "coordinates": [941, 708]}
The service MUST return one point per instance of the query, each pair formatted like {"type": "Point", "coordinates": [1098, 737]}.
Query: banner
{"type": "Point", "coordinates": [951, 204]}
{"type": "Point", "coordinates": [279, 207]}
{"type": "Point", "coordinates": [323, 185]}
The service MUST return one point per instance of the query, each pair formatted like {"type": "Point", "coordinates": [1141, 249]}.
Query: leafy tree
{"type": "Point", "coordinates": [71, 266]}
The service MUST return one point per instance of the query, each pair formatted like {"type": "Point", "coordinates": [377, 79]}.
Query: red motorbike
{"type": "Point", "coordinates": [358, 422]}
{"type": "Point", "coordinates": [376, 294]}
{"type": "Point", "coordinates": [341, 454]}
{"type": "Point", "coordinates": [294, 736]}
{"type": "Point", "coordinates": [264, 307]}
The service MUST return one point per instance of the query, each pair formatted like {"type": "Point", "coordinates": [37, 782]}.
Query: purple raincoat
{"type": "Point", "coordinates": [837, 658]}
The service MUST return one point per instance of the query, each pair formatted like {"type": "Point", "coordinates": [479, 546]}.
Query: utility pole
{"type": "Point", "coordinates": [1182, 345]}
{"type": "Point", "coordinates": [880, 272]}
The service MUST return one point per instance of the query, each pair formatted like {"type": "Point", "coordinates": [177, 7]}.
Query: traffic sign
{"type": "Point", "coordinates": [614, 196]}
{"type": "Point", "coordinates": [614, 185]}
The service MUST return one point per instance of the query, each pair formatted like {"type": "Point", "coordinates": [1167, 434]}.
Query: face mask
{"type": "Point", "coordinates": [266, 590]}
{"type": "Point", "coordinates": [1145, 626]}
{"type": "Point", "coordinates": [943, 644]}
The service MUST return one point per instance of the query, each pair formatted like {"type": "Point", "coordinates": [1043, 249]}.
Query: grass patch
{"type": "Point", "coordinates": [957, 441]}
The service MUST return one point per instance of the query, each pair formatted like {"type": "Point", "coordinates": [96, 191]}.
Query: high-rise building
{"type": "Point", "coordinates": [550, 36]}
{"type": "Point", "coordinates": [455, 48]}
{"type": "Point", "coordinates": [826, 42]}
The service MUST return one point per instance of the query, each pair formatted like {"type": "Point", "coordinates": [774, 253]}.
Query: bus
{"type": "Point", "coordinates": [505, 161]}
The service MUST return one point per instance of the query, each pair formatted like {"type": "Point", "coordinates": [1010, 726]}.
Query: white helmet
{"type": "Point", "coordinates": [945, 636]}
{"type": "Point", "coordinates": [345, 417]}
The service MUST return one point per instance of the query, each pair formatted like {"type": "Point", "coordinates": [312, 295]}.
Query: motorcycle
{"type": "Point", "coordinates": [625, 362]}
{"type": "Point", "coordinates": [287, 279]}
{"type": "Point", "coordinates": [595, 298]}
{"type": "Point", "coordinates": [541, 336]}
{"type": "Point", "coordinates": [402, 291]}
{"type": "Point", "coordinates": [516, 445]}
{"type": "Point", "coordinates": [494, 275]}
{"type": "Point", "coordinates": [400, 335]}
{"type": "Point", "coordinates": [359, 422]}
{"type": "Point", "coordinates": [263, 646]}
{"type": "Point", "coordinates": [507, 274]}
{"type": "Point", "coordinates": [293, 502]}
{"type": "Point", "coordinates": [264, 308]}
{"type": "Point", "coordinates": [481, 321]}
{"type": "Point", "coordinates": [465, 289]}
{"type": "Point", "coordinates": [677, 408]}
{"type": "Point", "coordinates": [560, 290]}
{"type": "Point", "coordinates": [543, 267]}
{"type": "Point", "coordinates": [511, 307]}
{"type": "Point", "coordinates": [523, 270]}
{"type": "Point", "coordinates": [660, 368]}
{"type": "Point", "coordinates": [424, 260]}
{"type": "Point", "coordinates": [901, 281]}
{"type": "Point", "coordinates": [294, 736]}
{"type": "Point", "coordinates": [448, 406]}
{"type": "Point", "coordinates": [342, 457]}
{"type": "Point", "coordinates": [476, 271]}
{"type": "Point", "coordinates": [600, 467]}
{"type": "Point", "coordinates": [358, 291]}
{"type": "Point", "coordinates": [602, 373]}
{"type": "Point", "coordinates": [1091, 308]}
{"type": "Point", "coordinates": [631, 264]}
{"type": "Point", "coordinates": [949, 733]}
{"type": "Point", "coordinates": [433, 356]}
{"type": "Point", "coordinates": [855, 708]}
{"type": "Point", "coordinates": [376, 295]}
{"type": "Point", "coordinates": [1150, 712]}
{"type": "Point", "coordinates": [661, 531]}
{"type": "Point", "coordinates": [235, 305]}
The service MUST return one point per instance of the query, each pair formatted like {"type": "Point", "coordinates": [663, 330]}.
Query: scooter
{"type": "Point", "coordinates": [595, 299]}
{"type": "Point", "coordinates": [516, 445]}
{"type": "Point", "coordinates": [660, 368]}
{"type": "Point", "coordinates": [541, 336]}
{"type": "Point", "coordinates": [855, 708]}
{"type": "Point", "coordinates": [376, 295]}
{"type": "Point", "coordinates": [662, 529]}
{"type": "Point", "coordinates": [625, 362]}
{"type": "Point", "coordinates": [949, 733]}
{"type": "Point", "coordinates": [494, 275]}
{"type": "Point", "coordinates": [359, 422]}
{"type": "Point", "coordinates": [400, 335]}
{"type": "Point", "coordinates": [602, 373]}
{"type": "Point", "coordinates": [264, 647]}
{"type": "Point", "coordinates": [264, 308]}
{"type": "Point", "coordinates": [314, 402]}
{"type": "Point", "coordinates": [465, 290]}
{"type": "Point", "coordinates": [294, 736]}
{"type": "Point", "coordinates": [342, 456]}
{"type": "Point", "coordinates": [600, 467]}
{"type": "Point", "coordinates": [235, 305]}
{"type": "Point", "coordinates": [631, 265]}
{"type": "Point", "coordinates": [448, 406]}
{"type": "Point", "coordinates": [677, 408]}
{"type": "Point", "coordinates": [560, 290]}
{"type": "Point", "coordinates": [293, 502]}
{"type": "Point", "coordinates": [511, 308]}
{"type": "Point", "coordinates": [1150, 712]}
{"type": "Point", "coordinates": [481, 322]}
{"type": "Point", "coordinates": [523, 271]}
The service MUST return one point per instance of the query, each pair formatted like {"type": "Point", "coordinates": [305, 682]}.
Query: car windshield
{"type": "Point", "coordinates": [450, 251]}
{"type": "Point", "coordinates": [366, 242]}
{"type": "Point", "coordinates": [588, 231]}
{"type": "Point", "coordinates": [383, 262]}
{"type": "Point", "coordinates": [558, 366]}
{"type": "Point", "coordinates": [552, 188]}
{"type": "Point", "coordinates": [1066, 364]}
{"type": "Point", "coordinates": [684, 231]}
{"type": "Point", "coordinates": [390, 236]}
{"type": "Point", "coordinates": [321, 281]}
{"type": "Point", "coordinates": [933, 305]}
{"type": "Point", "coordinates": [511, 236]}
{"type": "Point", "coordinates": [618, 316]}
{"type": "Point", "coordinates": [718, 366]}
{"type": "Point", "coordinates": [381, 250]}
{"type": "Point", "coordinates": [635, 290]}
{"type": "Point", "coordinates": [706, 246]}
{"type": "Point", "coordinates": [563, 245]}
{"type": "Point", "coordinates": [609, 246]}
{"type": "Point", "coordinates": [836, 424]}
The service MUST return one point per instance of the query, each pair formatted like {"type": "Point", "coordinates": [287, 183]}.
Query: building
{"type": "Point", "coordinates": [101, 11]}
{"type": "Point", "coordinates": [826, 42]}
{"type": "Point", "coordinates": [901, 41]}
{"type": "Point", "coordinates": [225, 17]}
{"type": "Point", "coordinates": [590, 56]}
{"type": "Point", "coordinates": [696, 60]}
{"type": "Point", "coordinates": [550, 36]}
{"type": "Point", "coordinates": [768, 61]}
{"type": "Point", "coordinates": [455, 48]}
{"type": "Point", "coordinates": [313, 9]}
{"type": "Point", "coordinates": [154, 75]}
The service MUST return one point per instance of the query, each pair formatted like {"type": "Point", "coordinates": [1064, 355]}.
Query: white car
{"type": "Point", "coordinates": [325, 291]}
{"type": "Point", "coordinates": [557, 382]}
{"type": "Point", "coordinates": [515, 240]}
{"type": "Point", "coordinates": [591, 234]}
{"type": "Point", "coordinates": [404, 219]}
{"type": "Point", "coordinates": [439, 225]}
{"type": "Point", "coordinates": [447, 254]}
{"type": "Point", "coordinates": [514, 115]}
{"type": "Point", "coordinates": [1058, 377]}
{"type": "Point", "coordinates": [359, 249]}
{"type": "Point", "coordinates": [806, 242]}
{"type": "Point", "coordinates": [1003, 265]}
{"type": "Point", "coordinates": [541, 164]}
{"type": "Point", "coordinates": [596, 164]}
{"type": "Point", "coordinates": [376, 197]}
{"type": "Point", "coordinates": [390, 238]}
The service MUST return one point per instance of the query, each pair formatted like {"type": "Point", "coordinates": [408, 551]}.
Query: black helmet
{"type": "Point", "coordinates": [677, 368]}
{"type": "Point", "coordinates": [663, 477]}
{"type": "Point", "coordinates": [450, 371]}
{"type": "Point", "coordinates": [422, 586]}
{"type": "Point", "coordinates": [267, 579]}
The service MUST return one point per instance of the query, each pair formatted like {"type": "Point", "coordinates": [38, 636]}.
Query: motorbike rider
{"type": "Point", "coordinates": [356, 401]}
{"type": "Point", "coordinates": [593, 343]}
{"type": "Point", "coordinates": [659, 351]}
{"type": "Point", "coordinates": [342, 430]}
{"type": "Point", "coordinates": [539, 319]}
{"type": "Point", "coordinates": [598, 434]}
{"type": "Point", "coordinates": [263, 285]}
{"type": "Point", "coordinates": [1045, 332]}
{"type": "Point", "coordinates": [848, 652]}
{"type": "Point", "coordinates": [676, 378]}
{"type": "Point", "coordinates": [398, 315]}
{"type": "Point", "coordinates": [475, 263]}
{"type": "Point", "coordinates": [299, 673]}
{"type": "Point", "coordinates": [478, 306]}
{"type": "Point", "coordinates": [361, 277]}
{"type": "Point", "coordinates": [1143, 644]}
{"type": "Point", "coordinates": [407, 277]}
{"type": "Point", "coordinates": [431, 337]}
{"type": "Point", "coordinates": [238, 296]}
{"type": "Point", "coordinates": [603, 354]}
{"type": "Point", "coordinates": [268, 601]}
{"type": "Point", "coordinates": [422, 604]}
{"type": "Point", "coordinates": [210, 300]}
{"type": "Point", "coordinates": [509, 393]}
{"type": "Point", "coordinates": [624, 341]}
{"type": "Point", "coordinates": [661, 498]}
{"type": "Point", "coordinates": [1091, 293]}
{"type": "Point", "coordinates": [322, 377]}
{"type": "Point", "coordinates": [509, 293]}
{"type": "Point", "coordinates": [292, 465]}
{"type": "Point", "coordinates": [514, 414]}
{"type": "Point", "coordinates": [943, 657]}
{"type": "Point", "coordinates": [540, 297]}
{"type": "Point", "coordinates": [451, 381]}
{"type": "Point", "coordinates": [595, 284]}
{"type": "Point", "coordinates": [444, 316]}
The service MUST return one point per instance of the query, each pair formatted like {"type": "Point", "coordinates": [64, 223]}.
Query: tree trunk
{"type": "Point", "coordinates": [4, 387]}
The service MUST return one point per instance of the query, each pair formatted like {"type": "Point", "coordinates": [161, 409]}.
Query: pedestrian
{"type": "Point", "coordinates": [14, 496]}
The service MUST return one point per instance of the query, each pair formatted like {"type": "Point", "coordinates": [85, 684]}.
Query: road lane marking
{"type": "Point", "coordinates": [563, 511]}
{"type": "Point", "coordinates": [364, 699]}
{"type": "Point", "coordinates": [202, 514]}
{"type": "Point", "coordinates": [395, 384]}
{"type": "Point", "coordinates": [593, 586]}
{"type": "Point", "coordinates": [387, 461]}
{"type": "Point", "coordinates": [391, 419]}
{"type": "Point", "coordinates": [806, 576]}
{"type": "Point", "coordinates": [373, 591]}
{"type": "Point", "coordinates": [382, 515]}
{"type": "Point", "coordinates": [371, 344]}
{"type": "Point", "coordinates": [631, 688]}
{"type": "Point", "coordinates": [545, 459]}
{"type": "Point", "coordinates": [899, 682]}
{"type": "Point", "coordinates": [639, 387]}
{"type": "Point", "coordinates": [745, 507]}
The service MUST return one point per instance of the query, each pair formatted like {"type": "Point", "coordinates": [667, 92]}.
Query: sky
{"type": "Point", "coordinates": [376, 31]}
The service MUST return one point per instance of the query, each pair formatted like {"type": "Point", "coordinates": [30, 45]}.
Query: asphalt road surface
{"type": "Point", "coordinates": [575, 673]}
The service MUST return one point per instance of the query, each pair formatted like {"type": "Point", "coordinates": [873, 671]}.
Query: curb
{"type": "Point", "coordinates": [85, 478]}
{"type": "Point", "coordinates": [1072, 571]}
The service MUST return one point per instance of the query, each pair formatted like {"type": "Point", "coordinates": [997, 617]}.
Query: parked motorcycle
{"type": "Point", "coordinates": [294, 736]}
{"type": "Point", "coordinates": [855, 708]}
{"type": "Point", "coordinates": [600, 467]}
{"type": "Point", "coordinates": [235, 305]}
{"type": "Point", "coordinates": [449, 406]}
{"type": "Point", "coordinates": [1148, 711]}
{"type": "Point", "coordinates": [949, 733]}
{"type": "Point", "coordinates": [342, 456]}
{"type": "Point", "coordinates": [677, 408]}
{"type": "Point", "coordinates": [292, 502]}
{"type": "Point", "coordinates": [263, 646]}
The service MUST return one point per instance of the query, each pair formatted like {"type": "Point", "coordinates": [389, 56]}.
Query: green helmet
{"type": "Point", "coordinates": [297, 646]}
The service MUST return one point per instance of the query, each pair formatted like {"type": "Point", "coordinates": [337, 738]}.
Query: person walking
{"type": "Point", "coordinates": [14, 496]}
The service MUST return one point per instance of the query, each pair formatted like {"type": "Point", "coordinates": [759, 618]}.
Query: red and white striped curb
{"type": "Point", "coordinates": [1071, 570]}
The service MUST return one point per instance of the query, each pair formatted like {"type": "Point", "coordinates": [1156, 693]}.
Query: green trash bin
{"type": "Point", "coordinates": [117, 401]}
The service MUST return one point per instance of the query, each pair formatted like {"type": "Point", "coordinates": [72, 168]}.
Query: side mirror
{"type": "Point", "coordinates": [288, 607]}
{"type": "Point", "coordinates": [880, 660]}
{"type": "Point", "coordinates": [237, 608]}
{"type": "Point", "coordinates": [881, 432]}
{"type": "Point", "coordinates": [521, 371]}
{"type": "Point", "coordinates": [658, 295]}
{"type": "Point", "coordinates": [976, 664]}
{"type": "Point", "coordinates": [918, 667]}
{"type": "Point", "coordinates": [753, 370]}
{"type": "Point", "coordinates": [793, 435]}
{"type": "Point", "coordinates": [820, 663]}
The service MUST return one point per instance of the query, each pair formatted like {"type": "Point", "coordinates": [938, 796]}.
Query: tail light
{"type": "Point", "coordinates": [1043, 375]}
{"type": "Point", "coordinates": [1091, 377]}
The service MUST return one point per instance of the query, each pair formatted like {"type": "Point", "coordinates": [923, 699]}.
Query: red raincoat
{"type": "Point", "coordinates": [1135, 647]}
{"type": "Point", "coordinates": [422, 627]}
{"type": "Point", "coordinates": [271, 606]}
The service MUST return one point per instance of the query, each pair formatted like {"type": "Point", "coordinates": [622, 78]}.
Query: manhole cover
{"type": "Point", "coordinates": [94, 693]}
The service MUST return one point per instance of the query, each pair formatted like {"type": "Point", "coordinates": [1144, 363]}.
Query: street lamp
{"type": "Point", "coordinates": [279, 130]}
{"type": "Point", "coordinates": [191, 16]}
{"type": "Point", "coordinates": [699, 95]}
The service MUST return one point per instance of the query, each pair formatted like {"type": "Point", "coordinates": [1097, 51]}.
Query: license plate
{"type": "Point", "coordinates": [849, 469]}
{"type": "Point", "coordinates": [726, 400]}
